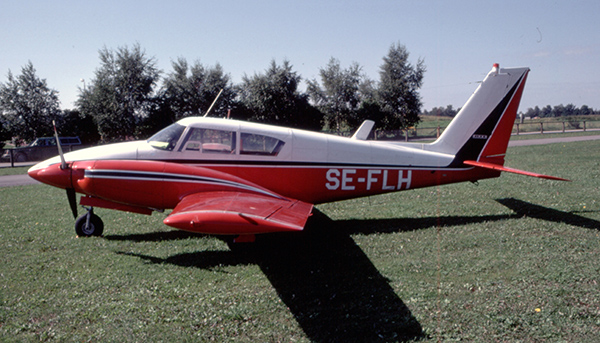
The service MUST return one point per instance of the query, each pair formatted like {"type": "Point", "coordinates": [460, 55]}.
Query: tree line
{"type": "Point", "coordinates": [129, 97]}
{"type": "Point", "coordinates": [559, 111]}
{"type": "Point", "coordinates": [447, 111]}
{"type": "Point", "coordinates": [532, 112]}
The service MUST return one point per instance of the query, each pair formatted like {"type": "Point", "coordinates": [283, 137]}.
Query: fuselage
{"type": "Point", "coordinates": [200, 154]}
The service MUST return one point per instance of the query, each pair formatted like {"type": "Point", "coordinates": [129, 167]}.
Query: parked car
{"type": "Point", "coordinates": [41, 149]}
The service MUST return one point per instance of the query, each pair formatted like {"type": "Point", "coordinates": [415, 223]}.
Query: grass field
{"type": "Point", "coordinates": [13, 171]}
{"type": "Point", "coordinates": [510, 259]}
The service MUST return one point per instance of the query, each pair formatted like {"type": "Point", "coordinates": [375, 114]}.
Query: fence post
{"type": "Point", "coordinates": [438, 132]}
{"type": "Point", "coordinates": [563, 126]}
{"type": "Point", "coordinates": [542, 128]}
{"type": "Point", "coordinates": [517, 129]}
{"type": "Point", "coordinates": [584, 126]}
{"type": "Point", "coordinates": [12, 158]}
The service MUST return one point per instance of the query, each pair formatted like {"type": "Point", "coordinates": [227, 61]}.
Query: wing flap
{"type": "Point", "coordinates": [238, 213]}
{"type": "Point", "coordinates": [511, 170]}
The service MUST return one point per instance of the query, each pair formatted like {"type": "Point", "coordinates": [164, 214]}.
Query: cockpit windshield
{"type": "Point", "coordinates": [167, 138]}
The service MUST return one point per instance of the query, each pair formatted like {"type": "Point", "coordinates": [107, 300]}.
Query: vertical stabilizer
{"type": "Point", "coordinates": [482, 128]}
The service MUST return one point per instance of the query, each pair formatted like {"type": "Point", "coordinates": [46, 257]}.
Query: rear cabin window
{"type": "Point", "coordinates": [253, 144]}
{"type": "Point", "coordinates": [210, 141]}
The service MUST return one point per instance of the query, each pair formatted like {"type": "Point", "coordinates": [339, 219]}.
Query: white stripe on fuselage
{"type": "Point", "coordinates": [183, 178]}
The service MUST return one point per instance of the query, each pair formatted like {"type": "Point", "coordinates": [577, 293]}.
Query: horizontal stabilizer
{"type": "Point", "coordinates": [511, 170]}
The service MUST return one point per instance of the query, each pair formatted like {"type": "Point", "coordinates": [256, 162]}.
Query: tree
{"type": "Point", "coordinates": [585, 110]}
{"type": "Point", "coordinates": [398, 88]}
{"type": "Point", "coordinates": [339, 95]}
{"type": "Point", "coordinates": [27, 105]}
{"type": "Point", "coordinates": [273, 97]}
{"type": "Point", "coordinates": [558, 111]}
{"type": "Point", "coordinates": [72, 123]}
{"type": "Point", "coordinates": [546, 111]}
{"type": "Point", "coordinates": [190, 90]}
{"type": "Point", "coordinates": [4, 134]}
{"type": "Point", "coordinates": [570, 110]}
{"type": "Point", "coordinates": [533, 112]}
{"type": "Point", "coordinates": [122, 92]}
{"type": "Point", "coordinates": [448, 111]}
{"type": "Point", "coordinates": [215, 81]}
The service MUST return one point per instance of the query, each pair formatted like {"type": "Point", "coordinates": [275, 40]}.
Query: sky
{"type": "Point", "coordinates": [458, 40]}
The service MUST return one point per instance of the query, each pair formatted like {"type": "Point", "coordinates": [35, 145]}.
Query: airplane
{"type": "Point", "coordinates": [229, 177]}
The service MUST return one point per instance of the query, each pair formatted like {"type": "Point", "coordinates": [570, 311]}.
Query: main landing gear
{"type": "Point", "coordinates": [89, 224]}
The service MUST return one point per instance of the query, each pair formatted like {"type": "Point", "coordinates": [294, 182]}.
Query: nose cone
{"type": "Point", "coordinates": [51, 174]}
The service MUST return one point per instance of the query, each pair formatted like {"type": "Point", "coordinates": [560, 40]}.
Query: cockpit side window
{"type": "Point", "coordinates": [254, 144]}
{"type": "Point", "coordinates": [167, 138]}
{"type": "Point", "coordinates": [210, 141]}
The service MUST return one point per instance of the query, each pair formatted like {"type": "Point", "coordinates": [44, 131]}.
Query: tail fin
{"type": "Point", "coordinates": [479, 134]}
{"type": "Point", "coordinates": [482, 128]}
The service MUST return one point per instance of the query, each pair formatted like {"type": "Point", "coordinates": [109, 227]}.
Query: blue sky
{"type": "Point", "coordinates": [459, 40]}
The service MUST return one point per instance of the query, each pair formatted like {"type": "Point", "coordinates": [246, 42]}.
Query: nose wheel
{"type": "Point", "coordinates": [89, 224]}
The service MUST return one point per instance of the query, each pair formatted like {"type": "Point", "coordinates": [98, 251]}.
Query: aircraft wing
{"type": "Point", "coordinates": [494, 166]}
{"type": "Point", "coordinates": [230, 212]}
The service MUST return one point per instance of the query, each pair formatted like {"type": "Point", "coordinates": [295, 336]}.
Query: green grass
{"type": "Point", "coordinates": [13, 171]}
{"type": "Point", "coordinates": [512, 259]}
{"type": "Point", "coordinates": [434, 121]}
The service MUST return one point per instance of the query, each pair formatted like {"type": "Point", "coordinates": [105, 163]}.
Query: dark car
{"type": "Point", "coordinates": [41, 148]}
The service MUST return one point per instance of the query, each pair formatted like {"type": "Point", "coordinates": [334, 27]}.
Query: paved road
{"type": "Point", "coordinates": [18, 180]}
{"type": "Point", "coordinates": [17, 164]}
{"type": "Point", "coordinates": [541, 141]}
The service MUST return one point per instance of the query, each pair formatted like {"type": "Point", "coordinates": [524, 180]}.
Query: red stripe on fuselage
{"type": "Point", "coordinates": [156, 184]}
{"type": "Point", "coordinates": [317, 185]}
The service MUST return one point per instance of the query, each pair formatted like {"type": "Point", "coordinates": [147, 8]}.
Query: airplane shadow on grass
{"type": "Point", "coordinates": [522, 208]}
{"type": "Point", "coordinates": [331, 287]}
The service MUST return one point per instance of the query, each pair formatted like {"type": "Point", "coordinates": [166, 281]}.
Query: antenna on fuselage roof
{"type": "Point", "coordinates": [213, 103]}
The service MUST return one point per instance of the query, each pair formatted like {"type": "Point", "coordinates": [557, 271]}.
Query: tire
{"type": "Point", "coordinates": [20, 157]}
{"type": "Point", "coordinates": [95, 228]}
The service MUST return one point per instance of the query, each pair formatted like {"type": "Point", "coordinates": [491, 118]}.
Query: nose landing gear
{"type": "Point", "coordinates": [89, 224]}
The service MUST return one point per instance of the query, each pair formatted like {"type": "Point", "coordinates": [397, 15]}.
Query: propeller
{"type": "Point", "coordinates": [63, 165]}
{"type": "Point", "coordinates": [72, 201]}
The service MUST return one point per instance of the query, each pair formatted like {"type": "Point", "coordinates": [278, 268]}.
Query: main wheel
{"type": "Point", "coordinates": [95, 227]}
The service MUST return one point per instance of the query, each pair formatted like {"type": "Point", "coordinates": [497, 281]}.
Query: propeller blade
{"type": "Point", "coordinates": [72, 201]}
{"type": "Point", "coordinates": [63, 163]}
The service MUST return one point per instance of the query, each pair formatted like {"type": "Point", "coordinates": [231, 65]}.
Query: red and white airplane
{"type": "Point", "coordinates": [232, 177]}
